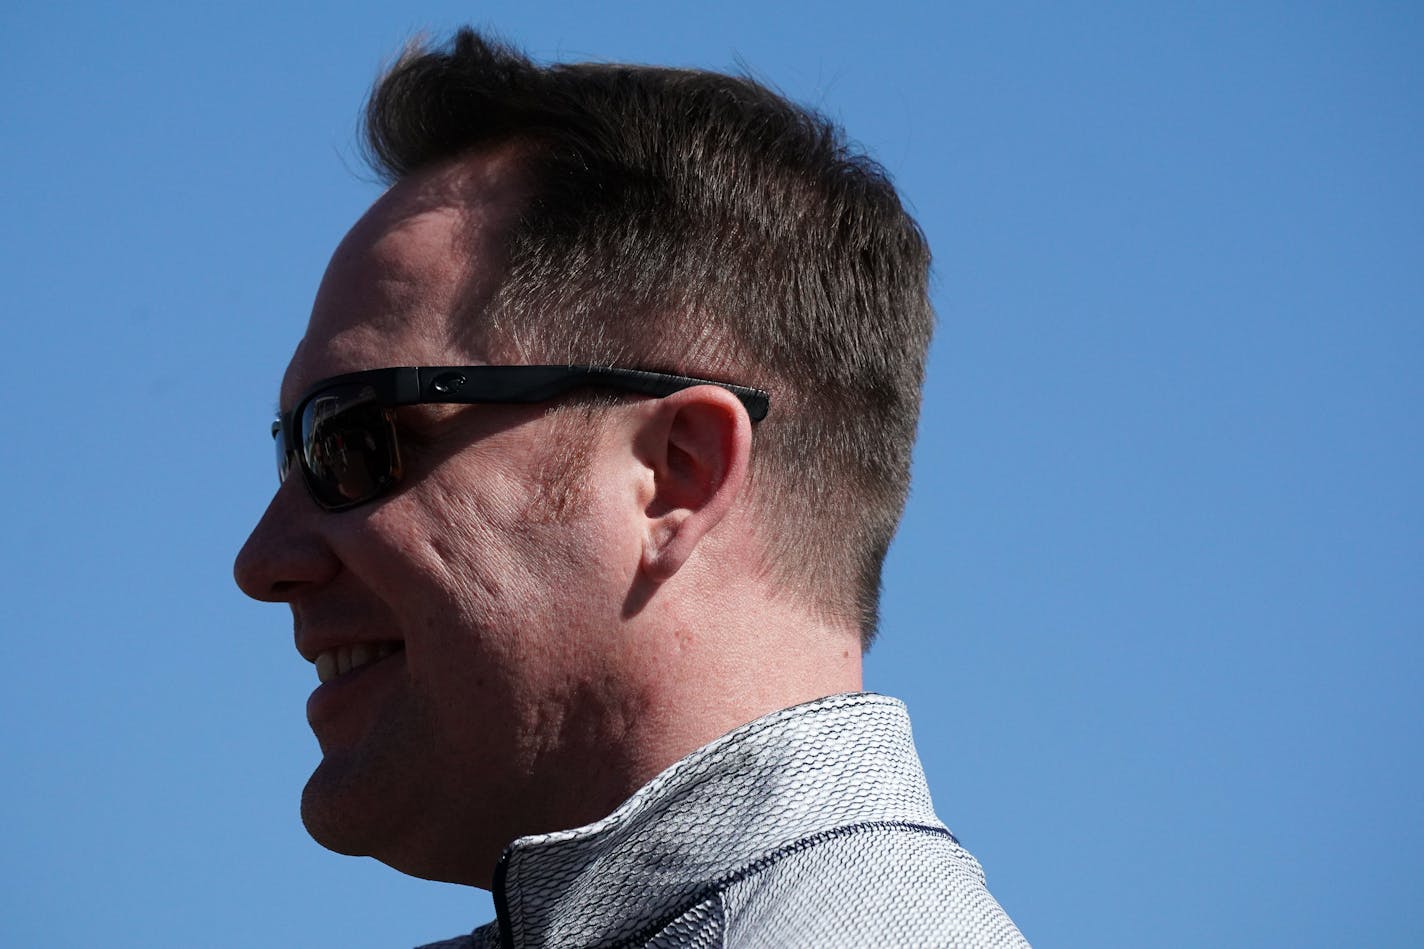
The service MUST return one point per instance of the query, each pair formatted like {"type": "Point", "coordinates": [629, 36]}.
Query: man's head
{"type": "Point", "coordinates": [701, 224]}
{"type": "Point", "coordinates": [555, 600]}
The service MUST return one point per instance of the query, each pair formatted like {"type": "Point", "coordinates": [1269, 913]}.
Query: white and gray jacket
{"type": "Point", "coordinates": [811, 826]}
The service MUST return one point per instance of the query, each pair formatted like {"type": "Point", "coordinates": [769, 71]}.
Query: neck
{"type": "Point", "coordinates": [705, 672]}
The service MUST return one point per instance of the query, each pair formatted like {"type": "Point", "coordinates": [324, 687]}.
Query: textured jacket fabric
{"type": "Point", "coordinates": [811, 826]}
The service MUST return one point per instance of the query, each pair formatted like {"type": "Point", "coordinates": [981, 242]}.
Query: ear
{"type": "Point", "coordinates": [697, 445]}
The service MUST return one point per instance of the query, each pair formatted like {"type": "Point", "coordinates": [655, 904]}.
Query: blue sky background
{"type": "Point", "coordinates": [1156, 607]}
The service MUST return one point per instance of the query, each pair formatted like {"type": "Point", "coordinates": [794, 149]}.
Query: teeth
{"type": "Point", "coordinates": [361, 653]}
{"type": "Point", "coordinates": [342, 659]}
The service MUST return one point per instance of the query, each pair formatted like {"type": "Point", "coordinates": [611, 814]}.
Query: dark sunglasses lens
{"type": "Point", "coordinates": [348, 447]}
{"type": "Point", "coordinates": [284, 457]}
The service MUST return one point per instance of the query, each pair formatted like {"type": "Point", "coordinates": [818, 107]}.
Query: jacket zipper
{"type": "Point", "coordinates": [501, 904]}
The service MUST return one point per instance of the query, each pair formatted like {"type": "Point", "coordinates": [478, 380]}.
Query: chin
{"type": "Point", "coordinates": [332, 815]}
{"type": "Point", "coordinates": [367, 819]}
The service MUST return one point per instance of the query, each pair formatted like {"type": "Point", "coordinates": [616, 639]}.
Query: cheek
{"type": "Point", "coordinates": [493, 573]}
{"type": "Point", "coordinates": [481, 551]}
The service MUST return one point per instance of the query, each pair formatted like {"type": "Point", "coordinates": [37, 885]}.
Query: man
{"type": "Point", "coordinates": [589, 635]}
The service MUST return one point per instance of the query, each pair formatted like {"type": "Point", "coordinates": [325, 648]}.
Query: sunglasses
{"type": "Point", "coordinates": [342, 433]}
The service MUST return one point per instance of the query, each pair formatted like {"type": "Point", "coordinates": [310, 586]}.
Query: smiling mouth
{"type": "Point", "coordinates": [337, 662]}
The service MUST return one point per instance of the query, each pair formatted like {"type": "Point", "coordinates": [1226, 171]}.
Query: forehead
{"type": "Point", "coordinates": [405, 283]}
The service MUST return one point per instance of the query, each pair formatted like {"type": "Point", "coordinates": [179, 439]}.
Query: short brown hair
{"type": "Point", "coordinates": [700, 223]}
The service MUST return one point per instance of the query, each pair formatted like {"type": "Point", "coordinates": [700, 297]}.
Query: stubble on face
{"type": "Point", "coordinates": [491, 563]}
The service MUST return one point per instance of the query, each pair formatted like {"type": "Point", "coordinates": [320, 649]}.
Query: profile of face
{"type": "Point", "coordinates": [460, 623]}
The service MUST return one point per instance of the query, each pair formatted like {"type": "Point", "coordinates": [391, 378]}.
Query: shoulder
{"type": "Point", "coordinates": [879, 883]}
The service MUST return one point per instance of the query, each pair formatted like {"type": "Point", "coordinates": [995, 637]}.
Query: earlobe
{"type": "Point", "coordinates": [661, 554]}
{"type": "Point", "coordinates": [698, 445]}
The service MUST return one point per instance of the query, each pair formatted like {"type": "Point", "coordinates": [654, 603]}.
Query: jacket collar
{"type": "Point", "coordinates": [807, 770]}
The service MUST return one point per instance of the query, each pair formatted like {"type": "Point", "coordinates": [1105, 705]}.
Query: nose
{"type": "Point", "coordinates": [286, 553]}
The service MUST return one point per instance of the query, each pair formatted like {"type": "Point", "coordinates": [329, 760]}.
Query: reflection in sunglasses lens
{"type": "Point", "coordinates": [348, 446]}
{"type": "Point", "coordinates": [284, 458]}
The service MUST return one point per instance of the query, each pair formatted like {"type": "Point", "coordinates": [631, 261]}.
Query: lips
{"type": "Point", "coordinates": [339, 660]}
{"type": "Point", "coordinates": [353, 689]}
